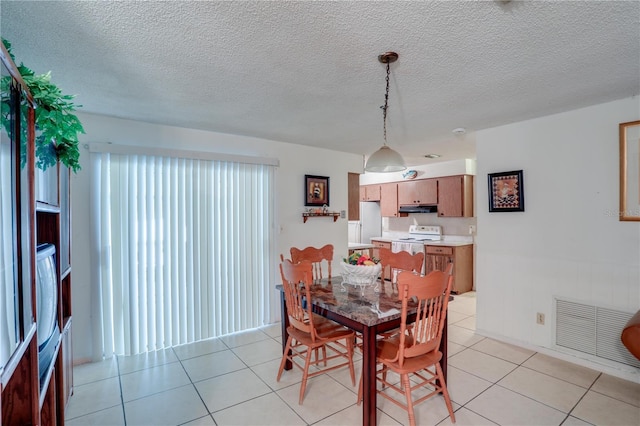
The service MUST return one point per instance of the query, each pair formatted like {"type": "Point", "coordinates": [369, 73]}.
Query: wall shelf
{"type": "Point", "coordinates": [306, 216]}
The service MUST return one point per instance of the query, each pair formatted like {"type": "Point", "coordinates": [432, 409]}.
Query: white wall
{"type": "Point", "coordinates": [569, 241]}
{"type": "Point", "coordinates": [295, 162]}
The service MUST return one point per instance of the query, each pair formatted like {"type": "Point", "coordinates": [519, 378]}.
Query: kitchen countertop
{"type": "Point", "coordinates": [383, 239]}
{"type": "Point", "coordinates": [452, 241]}
{"type": "Point", "coordinates": [448, 243]}
{"type": "Point", "coordinates": [360, 246]}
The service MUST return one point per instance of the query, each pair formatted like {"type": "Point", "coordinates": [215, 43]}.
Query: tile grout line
{"type": "Point", "coordinates": [195, 388]}
{"type": "Point", "coordinates": [248, 367]}
{"type": "Point", "coordinates": [496, 383]}
{"type": "Point", "coordinates": [582, 397]}
{"type": "Point", "coordinates": [124, 414]}
{"type": "Point", "coordinates": [274, 391]}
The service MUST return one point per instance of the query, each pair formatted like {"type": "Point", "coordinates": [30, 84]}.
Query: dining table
{"type": "Point", "coordinates": [369, 310]}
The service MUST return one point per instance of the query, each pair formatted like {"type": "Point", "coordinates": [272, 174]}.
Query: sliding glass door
{"type": "Point", "coordinates": [184, 249]}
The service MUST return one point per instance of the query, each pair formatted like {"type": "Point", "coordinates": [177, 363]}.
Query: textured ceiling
{"type": "Point", "coordinates": [307, 72]}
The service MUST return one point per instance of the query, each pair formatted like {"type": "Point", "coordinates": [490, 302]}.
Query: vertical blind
{"type": "Point", "coordinates": [184, 249]}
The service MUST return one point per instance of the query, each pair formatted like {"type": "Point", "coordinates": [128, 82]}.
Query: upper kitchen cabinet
{"type": "Point", "coordinates": [455, 196]}
{"type": "Point", "coordinates": [418, 192]}
{"type": "Point", "coordinates": [389, 199]}
{"type": "Point", "coordinates": [370, 192]}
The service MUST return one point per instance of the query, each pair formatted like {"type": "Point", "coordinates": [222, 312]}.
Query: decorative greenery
{"type": "Point", "coordinates": [57, 128]}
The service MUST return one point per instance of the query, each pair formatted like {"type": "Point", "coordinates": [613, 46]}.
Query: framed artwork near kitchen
{"type": "Point", "coordinates": [316, 190]}
{"type": "Point", "coordinates": [629, 171]}
{"type": "Point", "coordinates": [506, 192]}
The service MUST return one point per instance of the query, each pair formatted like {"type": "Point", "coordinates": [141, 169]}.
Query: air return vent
{"type": "Point", "coordinates": [592, 330]}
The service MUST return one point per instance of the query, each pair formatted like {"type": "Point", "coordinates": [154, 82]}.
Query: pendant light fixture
{"type": "Point", "coordinates": [385, 159]}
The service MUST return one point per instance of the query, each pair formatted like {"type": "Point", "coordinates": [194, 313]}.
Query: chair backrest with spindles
{"type": "Point", "coordinates": [432, 295]}
{"type": "Point", "coordinates": [316, 256]}
{"type": "Point", "coordinates": [399, 261]}
{"type": "Point", "coordinates": [296, 279]}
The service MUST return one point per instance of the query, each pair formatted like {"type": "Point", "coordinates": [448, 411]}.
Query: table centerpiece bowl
{"type": "Point", "coordinates": [361, 271]}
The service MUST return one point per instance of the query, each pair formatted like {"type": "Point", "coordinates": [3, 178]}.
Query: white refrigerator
{"type": "Point", "coordinates": [370, 221]}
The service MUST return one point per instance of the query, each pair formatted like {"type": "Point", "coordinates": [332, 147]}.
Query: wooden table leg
{"type": "Point", "coordinates": [284, 324]}
{"type": "Point", "coordinates": [369, 376]}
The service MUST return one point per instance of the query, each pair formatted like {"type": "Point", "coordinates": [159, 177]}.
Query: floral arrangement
{"type": "Point", "coordinates": [361, 259]}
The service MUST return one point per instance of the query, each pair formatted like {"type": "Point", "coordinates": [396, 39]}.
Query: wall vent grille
{"type": "Point", "coordinates": [593, 330]}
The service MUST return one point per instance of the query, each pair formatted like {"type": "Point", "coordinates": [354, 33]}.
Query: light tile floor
{"type": "Point", "coordinates": [232, 381]}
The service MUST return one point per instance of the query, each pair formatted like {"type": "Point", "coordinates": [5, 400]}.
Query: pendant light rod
{"type": "Point", "coordinates": [385, 159]}
{"type": "Point", "coordinates": [386, 58]}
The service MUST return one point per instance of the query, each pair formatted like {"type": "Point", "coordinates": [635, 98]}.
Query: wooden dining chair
{"type": "Point", "coordinates": [317, 318]}
{"type": "Point", "coordinates": [414, 352]}
{"type": "Point", "coordinates": [317, 257]}
{"type": "Point", "coordinates": [306, 336]}
{"type": "Point", "coordinates": [395, 262]}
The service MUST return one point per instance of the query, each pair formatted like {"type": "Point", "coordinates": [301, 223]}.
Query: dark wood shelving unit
{"type": "Point", "coordinates": [41, 204]}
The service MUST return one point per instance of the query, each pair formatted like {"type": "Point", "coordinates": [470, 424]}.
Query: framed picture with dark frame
{"type": "Point", "coordinates": [316, 190]}
{"type": "Point", "coordinates": [506, 192]}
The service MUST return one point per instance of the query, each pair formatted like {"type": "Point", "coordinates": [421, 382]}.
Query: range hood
{"type": "Point", "coordinates": [418, 209]}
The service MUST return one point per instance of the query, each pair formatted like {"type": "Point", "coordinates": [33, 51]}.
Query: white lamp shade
{"type": "Point", "coordinates": [385, 160]}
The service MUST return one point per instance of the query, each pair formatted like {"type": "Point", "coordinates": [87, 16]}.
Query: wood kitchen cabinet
{"type": "Point", "coordinates": [455, 196]}
{"type": "Point", "coordinates": [375, 253]}
{"type": "Point", "coordinates": [418, 192]}
{"type": "Point", "coordinates": [389, 200]}
{"type": "Point", "coordinates": [370, 192]}
{"type": "Point", "coordinates": [353, 196]}
{"type": "Point", "coordinates": [437, 257]}
{"type": "Point", "coordinates": [379, 244]}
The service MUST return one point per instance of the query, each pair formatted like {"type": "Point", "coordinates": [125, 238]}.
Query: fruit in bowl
{"type": "Point", "coordinates": [361, 259]}
{"type": "Point", "coordinates": [361, 270]}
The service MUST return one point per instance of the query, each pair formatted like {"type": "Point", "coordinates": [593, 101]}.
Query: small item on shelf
{"type": "Point", "coordinates": [313, 213]}
{"type": "Point", "coordinates": [410, 174]}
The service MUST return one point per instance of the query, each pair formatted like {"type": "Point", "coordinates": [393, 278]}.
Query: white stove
{"type": "Point", "coordinates": [421, 234]}
{"type": "Point", "coordinates": [414, 241]}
